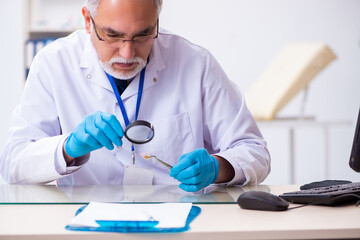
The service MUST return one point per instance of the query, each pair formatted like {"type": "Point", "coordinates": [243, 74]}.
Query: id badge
{"type": "Point", "coordinates": [137, 176]}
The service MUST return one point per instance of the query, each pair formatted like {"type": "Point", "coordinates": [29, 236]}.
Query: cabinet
{"type": "Point", "coordinates": [47, 20]}
{"type": "Point", "coordinates": [305, 150]}
{"type": "Point", "coordinates": [53, 18]}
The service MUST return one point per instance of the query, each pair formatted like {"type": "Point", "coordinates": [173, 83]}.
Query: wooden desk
{"type": "Point", "coordinates": [216, 221]}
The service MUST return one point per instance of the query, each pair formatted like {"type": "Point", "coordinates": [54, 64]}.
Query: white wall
{"type": "Point", "coordinates": [11, 61]}
{"type": "Point", "coordinates": [245, 35]}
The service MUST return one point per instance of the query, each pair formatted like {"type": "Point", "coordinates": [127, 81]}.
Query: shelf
{"type": "Point", "coordinates": [44, 33]}
{"type": "Point", "coordinates": [53, 18]}
{"type": "Point", "coordinates": [48, 19]}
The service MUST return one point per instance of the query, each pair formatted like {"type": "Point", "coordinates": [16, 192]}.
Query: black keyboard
{"type": "Point", "coordinates": [330, 195]}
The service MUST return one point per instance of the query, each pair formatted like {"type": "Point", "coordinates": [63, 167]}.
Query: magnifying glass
{"type": "Point", "coordinates": [139, 132]}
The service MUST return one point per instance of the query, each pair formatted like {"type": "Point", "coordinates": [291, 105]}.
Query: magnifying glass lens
{"type": "Point", "coordinates": [139, 132]}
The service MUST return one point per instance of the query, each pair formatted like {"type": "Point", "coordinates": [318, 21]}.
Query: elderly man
{"type": "Point", "coordinates": [85, 89]}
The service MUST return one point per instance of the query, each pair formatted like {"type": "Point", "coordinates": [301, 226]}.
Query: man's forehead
{"type": "Point", "coordinates": [141, 7]}
{"type": "Point", "coordinates": [116, 13]}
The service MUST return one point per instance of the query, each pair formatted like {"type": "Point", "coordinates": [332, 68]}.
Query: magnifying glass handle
{"type": "Point", "coordinates": [133, 154]}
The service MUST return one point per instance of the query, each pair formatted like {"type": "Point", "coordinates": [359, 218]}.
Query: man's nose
{"type": "Point", "coordinates": [126, 49]}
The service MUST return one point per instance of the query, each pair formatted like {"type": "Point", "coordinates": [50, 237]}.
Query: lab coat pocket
{"type": "Point", "coordinates": [173, 138]}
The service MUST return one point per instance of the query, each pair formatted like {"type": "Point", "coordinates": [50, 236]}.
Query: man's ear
{"type": "Point", "coordinates": [87, 19]}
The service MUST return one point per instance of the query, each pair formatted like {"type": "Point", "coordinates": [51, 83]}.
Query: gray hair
{"type": "Point", "coordinates": [92, 6]}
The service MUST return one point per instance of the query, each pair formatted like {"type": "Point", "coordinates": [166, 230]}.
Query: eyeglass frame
{"type": "Point", "coordinates": [123, 40]}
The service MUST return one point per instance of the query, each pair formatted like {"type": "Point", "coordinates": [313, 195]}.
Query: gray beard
{"type": "Point", "coordinates": [107, 66]}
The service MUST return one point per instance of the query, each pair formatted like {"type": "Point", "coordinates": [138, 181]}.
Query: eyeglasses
{"type": "Point", "coordinates": [113, 40]}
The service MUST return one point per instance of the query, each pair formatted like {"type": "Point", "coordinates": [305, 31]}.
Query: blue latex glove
{"type": "Point", "coordinates": [96, 131]}
{"type": "Point", "coordinates": [195, 170]}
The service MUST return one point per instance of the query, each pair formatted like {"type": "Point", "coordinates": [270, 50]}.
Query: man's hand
{"type": "Point", "coordinates": [195, 170]}
{"type": "Point", "coordinates": [96, 131]}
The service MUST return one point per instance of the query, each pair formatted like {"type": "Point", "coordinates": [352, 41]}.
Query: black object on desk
{"type": "Point", "coordinates": [354, 161]}
{"type": "Point", "coordinates": [258, 200]}
{"type": "Point", "coordinates": [329, 195]}
{"type": "Point", "coordinates": [325, 183]}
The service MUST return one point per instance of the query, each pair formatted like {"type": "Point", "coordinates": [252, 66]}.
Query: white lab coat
{"type": "Point", "coordinates": [187, 97]}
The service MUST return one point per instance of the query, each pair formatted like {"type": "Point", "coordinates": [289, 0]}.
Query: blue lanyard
{"type": "Point", "coordinates": [118, 97]}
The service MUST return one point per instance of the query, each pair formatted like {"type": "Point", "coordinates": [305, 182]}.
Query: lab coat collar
{"type": "Point", "coordinates": [94, 72]}
{"type": "Point", "coordinates": [90, 63]}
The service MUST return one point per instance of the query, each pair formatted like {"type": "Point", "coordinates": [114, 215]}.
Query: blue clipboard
{"type": "Point", "coordinates": [134, 226]}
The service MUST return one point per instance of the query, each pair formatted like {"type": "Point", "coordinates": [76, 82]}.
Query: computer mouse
{"type": "Point", "coordinates": [258, 200]}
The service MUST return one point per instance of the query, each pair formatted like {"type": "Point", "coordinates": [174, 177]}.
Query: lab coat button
{"type": "Point", "coordinates": [155, 80]}
{"type": "Point", "coordinates": [88, 76]}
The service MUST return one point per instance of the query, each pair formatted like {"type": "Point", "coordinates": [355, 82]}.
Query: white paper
{"type": "Point", "coordinates": [169, 215]}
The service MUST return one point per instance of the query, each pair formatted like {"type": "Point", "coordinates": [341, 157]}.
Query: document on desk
{"type": "Point", "coordinates": [124, 217]}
